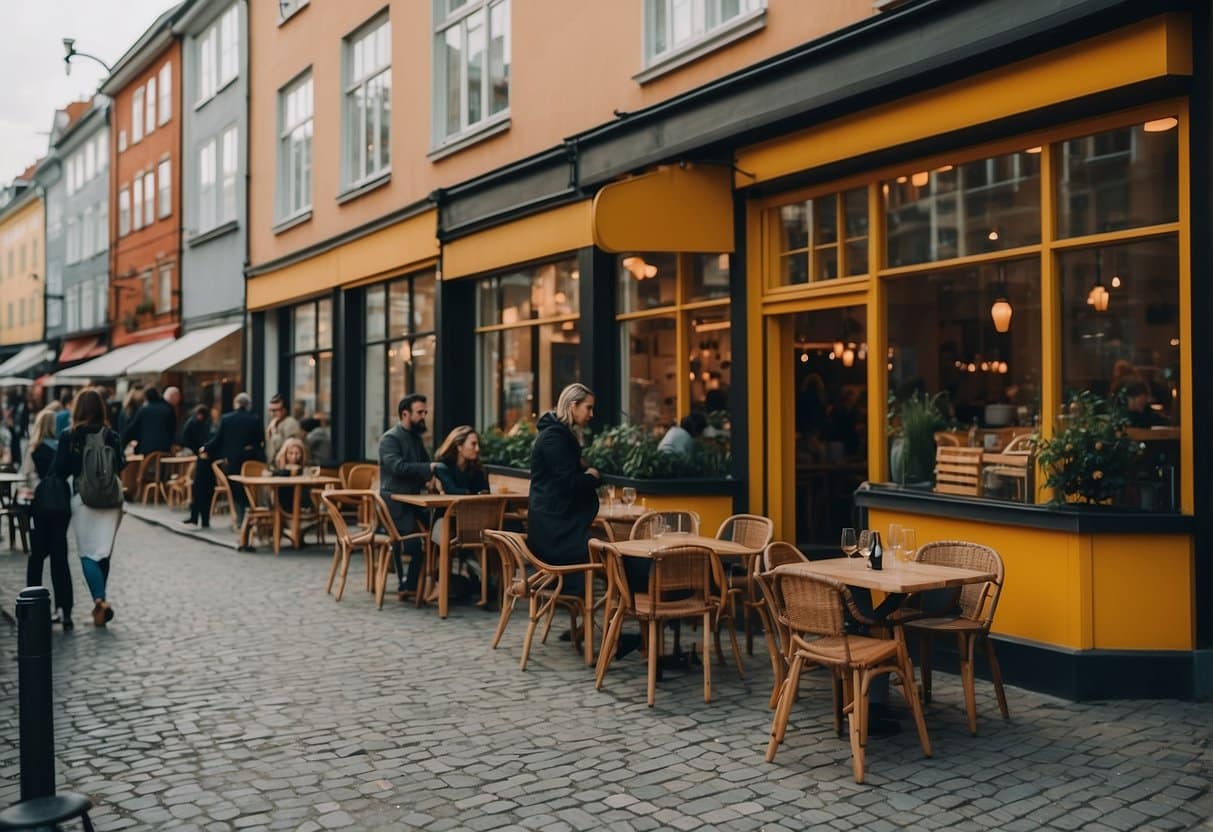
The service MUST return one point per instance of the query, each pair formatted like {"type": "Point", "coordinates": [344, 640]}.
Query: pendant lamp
{"type": "Point", "coordinates": [1001, 311]}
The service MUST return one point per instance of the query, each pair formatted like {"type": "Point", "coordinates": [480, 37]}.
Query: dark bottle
{"type": "Point", "coordinates": [877, 557]}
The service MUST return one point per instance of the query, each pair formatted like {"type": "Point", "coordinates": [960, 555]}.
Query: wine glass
{"type": "Point", "coordinates": [610, 495]}
{"type": "Point", "coordinates": [849, 544]}
{"type": "Point", "coordinates": [909, 544]}
{"type": "Point", "coordinates": [629, 496]}
{"type": "Point", "coordinates": [894, 547]}
{"type": "Point", "coordinates": [659, 525]}
{"type": "Point", "coordinates": [865, 543]}
{"type": "Point", "coordinates": [894, 533]}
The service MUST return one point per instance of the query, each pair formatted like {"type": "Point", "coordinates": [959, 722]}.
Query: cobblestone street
{"type": "Point", "coordinates": [231, 693]}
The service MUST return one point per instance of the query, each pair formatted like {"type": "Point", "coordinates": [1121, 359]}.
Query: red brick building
{"type": "Point", "coordinates": [145, 192]}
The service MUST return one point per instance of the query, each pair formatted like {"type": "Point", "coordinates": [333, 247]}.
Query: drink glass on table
{"type": "Point", "coordinates": [849, 545]}
{"type": "Point", "coordinates": [909, 544]}
{"type": "Point", "coordinates": [893, 546]}
{"type": "Point", "coordinates": [659, 525]}
{"type": "Point", "coordinates": [312, 470]}
{"type": "Point", "coordinates": [865, 543]}
{"type": "Point", "coordinates": [610, 495]}
{"type": "Point", "coordinates": [629, 496]}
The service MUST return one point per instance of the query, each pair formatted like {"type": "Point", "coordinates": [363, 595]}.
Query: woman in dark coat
{"type": "Point", "coordinates": [460, 470]}
{"type": "Point", "coordinates": [48, 535]}
{"type": "Point", "coordinates": [564, 490]}
{"type": "Point", "coordinates": [196, 433]}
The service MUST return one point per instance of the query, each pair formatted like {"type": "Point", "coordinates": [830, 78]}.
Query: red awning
{"type": "Point", "coordinates": [78, 349]}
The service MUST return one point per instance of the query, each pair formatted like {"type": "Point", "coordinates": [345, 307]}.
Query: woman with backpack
{"type": "Point", "coordinates": [50, 511]}
{"type": "Point", "coordinates": [91, 454]}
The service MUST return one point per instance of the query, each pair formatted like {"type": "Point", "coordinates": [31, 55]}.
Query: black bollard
{"type": "Point", "coordinates": [35, 693]}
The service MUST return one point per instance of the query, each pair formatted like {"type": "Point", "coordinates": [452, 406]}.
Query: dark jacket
{"type": "Point", "coordinates": [196, 433]}
{"type": "Point", "coordinates": [404, 468]}
{"type": "Point", "coordinates": [564, 498]}
{"type": "Point", "coordinates": [69, 456]}
{"type": "Point", "coordinates": [462, 481]}
{"type": "Point", "coordinates": [240, 438]}
{"type": "Point", "coordinates": [153, 428]}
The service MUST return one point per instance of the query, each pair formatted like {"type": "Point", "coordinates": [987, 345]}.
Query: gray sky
{"type": "Point", "coordinates": [31, 62]}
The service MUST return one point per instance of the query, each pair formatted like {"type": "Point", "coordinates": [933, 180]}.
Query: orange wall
{"type": "Point", "coordinates": [156, 244]}
{"type": "Point", "coordinates": [572, 66]}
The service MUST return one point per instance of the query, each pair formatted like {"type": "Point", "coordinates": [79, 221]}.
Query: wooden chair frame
{"type": "Point", "coordinates": [223, 489]}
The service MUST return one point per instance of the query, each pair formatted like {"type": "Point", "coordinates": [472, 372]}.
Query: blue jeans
{"type": "Point", "coordinates": [96, 573]}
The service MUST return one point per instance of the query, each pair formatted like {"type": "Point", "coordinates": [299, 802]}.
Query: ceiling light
{"type": "Point", "coordinates": [1036, 149]}
{"type": "Point", "coordinates": [920, 179]}
{"type": "Point", "coordinates": [1160, 125]}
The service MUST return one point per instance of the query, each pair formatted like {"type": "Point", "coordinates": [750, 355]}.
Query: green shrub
{"type": "Point", "coordinates": [1091, 455]}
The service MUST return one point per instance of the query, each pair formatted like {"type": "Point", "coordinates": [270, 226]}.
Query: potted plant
{"type": "Point", "coordinates": [913, 422]}
{"type": "Point", "coordinates": [1091, 456]}
{"type": "Point", "coordinates": [145, 307]}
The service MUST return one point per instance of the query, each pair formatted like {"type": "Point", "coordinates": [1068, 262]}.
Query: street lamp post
{"type": "Point", "coordinates": [69, 48]}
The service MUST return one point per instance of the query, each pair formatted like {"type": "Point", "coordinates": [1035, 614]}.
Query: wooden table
{"type": "Point", "coordinates": [645, 548]}
{"type": "Point", "coordinates": [130, 475]}
{"type": "Point", "coordinates": [298, 482]}
{"type": "Point", "coordinates": [899, 579]}
{"type": "Point", "coordinates": [620, 517]}
{"type": "Point", "coordinates": [433, 503]}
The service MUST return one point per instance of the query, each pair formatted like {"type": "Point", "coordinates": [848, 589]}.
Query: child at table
{"type": "Point", "coordinates": [290, 462]}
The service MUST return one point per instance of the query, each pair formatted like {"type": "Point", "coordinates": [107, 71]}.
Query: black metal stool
{"type": "Point", "coordinates": [47, 812]}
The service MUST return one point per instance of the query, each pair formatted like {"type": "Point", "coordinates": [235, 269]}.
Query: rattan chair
{"type": "Point", "coordinates": [222, 497]}
{"type": "Point", "coordinates": [969, 625]}
{"type": "Point", "coordinates": [179, 487]}
{"type": "Point", "coordinates": [755, 532]}
{"type": "Point", "coordinates": [540, 584]}
{"type": "Point", "coordinates": [362, 476]}
{"type": "Point", "coordinates": [685, 521]}
{"type": "Point", "coordinates": [680, 587]}
{"type": "Point", "coordinates": [471, 517]}
{"type": "Point", "coordinates": [814, 607]}
{"type": "Point", "coordinates": [259, 516]}
{"type": "Point", "coordinates": [149, 478]}
{"type": "Point", "coordinates": [348, 538]}
{"type": "Point", "coordinates": [774, 623]}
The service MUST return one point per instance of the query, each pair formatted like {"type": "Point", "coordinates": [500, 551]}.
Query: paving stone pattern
{"type": "Point", "coordinates": [231, 693]}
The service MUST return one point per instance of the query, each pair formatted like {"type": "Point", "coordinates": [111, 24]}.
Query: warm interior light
{"type": "Point", "coordinates": [1036, 149]}
{"type": "Point", "coordinates": [920, 179]}
{"type": "Point", "coordinates": [711, 326]}
{"type": "Point", "coordinates": [848, 357]}
{"type": "Point", "coordinates": [993, 235]}
{"type": "Point", "coordinates": [1098, 298]}
{"type": "Point", "coordinates": [406, 352]}
{"type": "Point", "coordinates": [1160, 125]}
{"type": "Point", "coordinates": [804, 358]}
{"type": "Point", "coordinates": [1001, 313]}
{"type": "Point", "coordinates": [722, 262]}
{"type": "Point", "coordinates": [985, 366]}
{"type": "Point", "coordinates": [972, 368]}
{"type": "Point", "coordinates": [839, 347]}
{"type": "Point", "coordinates": [833, 356]}
{"type": "Point", "coordinates": [943, 169]}
{"type": "Point", "coordinates": [1002, 367]}
{"type": "Point", "coordinates": [901, 180]}
{"type": "Point", "coordinates": [1116, 281]}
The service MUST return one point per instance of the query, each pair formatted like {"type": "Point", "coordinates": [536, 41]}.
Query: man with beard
{"type": "Point", "coordinates": [405, 468]}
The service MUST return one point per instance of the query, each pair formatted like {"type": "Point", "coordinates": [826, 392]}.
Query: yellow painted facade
{"type": "Point", "coordinates": [22, 259]}
{"type": "Point", "coordinates": [541, 235]}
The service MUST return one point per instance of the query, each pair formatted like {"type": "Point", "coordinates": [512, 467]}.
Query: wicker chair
{"type": "Point", "coordinates": [755, 532]}
{"type": "Point", "coordinates": [970, 625]}
{"type": "Point", "coordinates": [343, 472]}
{"type": "Point", "coordinates": [686, 521]}
{"type": "Point", "coordinates": [348, 538]}
{"type": "Point", "coordinates": [525, 576]}
{"type": "Point", "coordinates": [686, 571]}
{"type": "Point", "coordinates": [179, 488]}
{"type": "Point", "coordinates": [471, 517]}
{"type": "Point", "coordinates": [259, 516]}
{"type": "Point", "coordinates": [223, 491]}
{"type": "Point", "coordinates": [774, 623]}
{"type": "Point", "coordinates": [814, 606]}
{"type": "Point", "coordinates": [149, 478]}
{"type": "Point", "coordinates": [362, 476]}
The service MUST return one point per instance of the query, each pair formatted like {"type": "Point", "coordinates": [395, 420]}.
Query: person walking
{"type": "Point", "coordinates": [240, 439]}
{"type": "Point", "coordinates": [405, 468]}
{"type": "Point", "coordinates": [281, 427]}
{"type": "Point", "coordinates": [90, 454]}
{"type": "Point", "coordinates": [154, 425]}
{"type": "Point", "coordinates": [564, 490]}
{"type": "Point", "coordinates": [196, 433]}
{"type": "Point", "coordinates": [50, 513]}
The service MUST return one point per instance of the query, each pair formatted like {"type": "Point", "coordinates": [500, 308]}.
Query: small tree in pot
{"type": "Point", "coordinates": [1091, 456]}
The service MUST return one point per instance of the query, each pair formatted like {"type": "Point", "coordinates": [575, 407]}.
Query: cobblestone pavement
{"type": "Point", "coordinates": [231, 693]}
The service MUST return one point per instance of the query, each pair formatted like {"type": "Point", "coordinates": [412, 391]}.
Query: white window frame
{"type": "Point", "coordinates": [447, 19]}
{"type": "Point", "coordinates": [72, 298]}
{"type": "Point", "coordinates": [103, 225]}
{"type": "Point", "coordinates": [208, 72]}
{"type": "Point", "coordinates": [101, 290]}
{"type": "Point", "coordinates": [207, 168]}
{"type": "Point", "coordinates": [124, 212]}
{"type": "Point", "coordinates": [54, 286]}
{"type": "Point", "coordinates": [137, 116]}
{"type": "Point", "coordinates": [229, 46]}
{"type": "Point", "coordinates": [149, 198]}
{"type": "Point", "coordinates": [165, 300]}
{"type": "Point", "coordinates": [362, 80]}
{"type": "Point", "coordinates": [151, 107]}
{"type": "Point", "coordinates": [137, 202]}
{"type": "Point", "coordinates": [103, 151]}
{"type": "Point", "coordinates": [295, 198]}
{"type": "Point", "coordinates": [228, 165]}
{"type": "Point", "coordinates": [87, 298]}
{"type": "Point", "coordinates": [90, 161]}
{"type": "Point", "coordinates": [714, 32]}
{"type": "Point", "coordinates": [164, 179]}
{"type": "Point", "coordinates": [166, 94]}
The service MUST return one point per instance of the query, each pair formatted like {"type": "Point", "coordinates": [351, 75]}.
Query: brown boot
{"type": "Point", "coordinates": [99, 608]}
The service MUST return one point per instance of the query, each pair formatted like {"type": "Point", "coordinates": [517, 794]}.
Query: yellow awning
{"type": "Point", "coordinates": [674, 208]}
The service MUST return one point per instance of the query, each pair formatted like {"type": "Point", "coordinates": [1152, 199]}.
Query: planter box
{"type": "Point", "coordinates": [713, 499]}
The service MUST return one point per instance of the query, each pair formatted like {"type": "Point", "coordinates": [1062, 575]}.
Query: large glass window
{"type": "Point", "coordinates": [673, 26]}
{"type": "Point", "coordinates": [124, 212]}
{"type": "Point", "coordinates": [400, 350]}
{"type": "Point", "coordinates": [166, 93]}
{"type": "Point", "coordinates": [295, 147]}
{"type": "Point", "coordinates": [311, 357]}
{"type": "Point", "coordinates": [164, 177]}
{"type": "Point", "coordinates": [983, 206]}
{"type": "Point", "coordinates": [675, 335]}
{"type": "Point", "coordinates": [529, 341]}
{"type": "Point", "coordinates": [812, 250]}
{"type": "Point", "coordinates": [368, 101]}
{"type": "Point", "coordinates": [472, 65]}
{"type": "Point", "coordinates": [218, 54]}
{"type": "Point", "coordinates": [137, 115]}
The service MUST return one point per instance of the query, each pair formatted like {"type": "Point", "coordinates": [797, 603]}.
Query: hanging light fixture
{"type": "Point", "coordinates": [1098, 297]}
{"type": "Point", "coordinates": [848, 357]}
{"type": "Point", "coordinates": [1001, 311]}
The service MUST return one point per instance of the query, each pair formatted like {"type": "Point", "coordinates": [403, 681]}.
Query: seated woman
{"type": "Point", "coordinates": [459, 468]}
{"type": "Point", "coordinates": [291, 461]}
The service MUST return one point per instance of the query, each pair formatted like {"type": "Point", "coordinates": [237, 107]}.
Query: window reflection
{"type": "Point", "coordinates": [650, 370]}
{"type": "Point", "coordinates": [810, 246]}
{"type": "Point", "coordinates": [647, 281]}
{"type": "Point", "coordinates": [710, 356]}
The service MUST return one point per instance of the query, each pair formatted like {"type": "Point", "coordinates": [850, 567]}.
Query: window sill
{"type": "Point", "coordinates": [497, 124]}
{"type": "Point", "coordinates": [202, 102]}
{"type": "Point", "coordinates": [364, 186]}
{"type": "Point", "coordinates": [733, 31]}
{"type": "Point", "coordinates": [293, 220]}
{"type": "Point", "coordinates": [212, 233]}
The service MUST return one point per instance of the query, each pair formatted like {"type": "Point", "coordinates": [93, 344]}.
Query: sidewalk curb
{"type": "Point", "coordinates": [177, 529]}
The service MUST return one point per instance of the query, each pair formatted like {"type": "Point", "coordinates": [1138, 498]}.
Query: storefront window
{"type": "Point", "coordinates": [399, 350]}
{"type": "Point", "coordinates": [666, 375]}
{"type": "Point", "coordinates": [529, 341]}
{"type": "Point", "coordinates": [1124, 178]}
{"type": "Point", "coordinates": [1120, 340]}
{"type": "Point", "coordinates": [960, 210]}
{"type": "Point", "coordinates": [311, 360]}
{"type": "Point", "coordinates": [812, 250]}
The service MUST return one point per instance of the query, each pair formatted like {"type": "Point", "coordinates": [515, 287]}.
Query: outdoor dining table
{"type": "Point", "coordinates": [130, 475]}
{"type": "Point", "coordinates": [894, 579]}
{"type": "Point", "coordinates": [438, 502]}
{"type": "Point", "coordinates": [298, 482]}
{"type": "Point", "coordinates": [723, 548]}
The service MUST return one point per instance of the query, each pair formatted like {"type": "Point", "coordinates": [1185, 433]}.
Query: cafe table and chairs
{"type": "Point", "coordinates": [434, 503]}
{"type": "Point", "coordinates": [16, 514]}
{"type": "Point", "coordinates": [755, 531]}
{"type": "Point", "coordinates": [177, 478]}
{"type": "Point", "coordinates": [252, 483]}
{"type": "Point", "coordinates": [540, 585]}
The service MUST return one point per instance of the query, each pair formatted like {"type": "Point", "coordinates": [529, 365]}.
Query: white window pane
{"type": "Point", "coordinates": [137, 115]}
{"type": "Point", "coordinates": [124, 212]}
{"type": "Point", "coordinates": [476, 41]}
{"type": "Point", "coordinates": [453, 49]}
{"type": "Point", "coordinates": [149, 198]}
{"type": "Point", "coordinates": [499, 57]}
{"type": "Point", "coordinates": [227, 210]}
{"type": "Point", "coordinates": [355, 107]}
{"type": "Point", "coordinates": [164, 175]}
{"type": "Point", "coordinates": [229, 44]}
{"type": "Point", "coordinates": [151, 104]}
{"type": "Point", "coordinates": [166, 92]}
{"type": "Point", "coordinates": [103, 152]}
{"type": "Point", "coordinates": [166, 289]}
{"type": "Point", "coordinates": [385, 119]}
{"type": "Point", "coordinates": [90, 161]}
{"type": "Point", "coordinates": [137, 194]}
